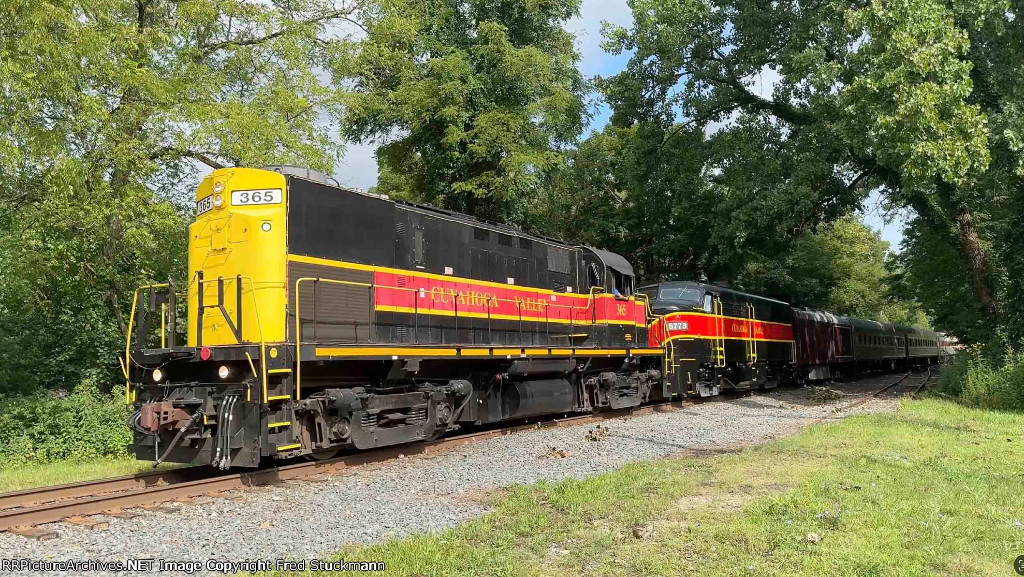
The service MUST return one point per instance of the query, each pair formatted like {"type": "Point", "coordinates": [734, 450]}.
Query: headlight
{"type": "Point", "coordinates": [218, 200]}
{"type": "Point", "coordinates": [223, 372]}
{"type": "Point", "coordinates": [158, 375]}
{"type": "Point", "coordinates": [218, 187]}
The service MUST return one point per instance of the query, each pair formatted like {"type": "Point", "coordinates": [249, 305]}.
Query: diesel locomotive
{"type": "Point", "coordinates": [321, 318]}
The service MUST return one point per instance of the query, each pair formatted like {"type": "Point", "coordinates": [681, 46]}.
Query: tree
{"type": "Point", "coordinates": [472, 99]}
{"type": "Point", "coordinates": [110, 108]}
{"type": "Point", "coordinates": [869, 95]}
{"type": "Point", "coordinates": [841, 268]}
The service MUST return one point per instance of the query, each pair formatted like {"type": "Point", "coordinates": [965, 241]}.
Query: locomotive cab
{"type": "Point", "coordinates": [675, 297]}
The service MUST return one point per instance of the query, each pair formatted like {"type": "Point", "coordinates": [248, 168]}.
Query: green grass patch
{"type": "Point", "coordinates": [933, 489]}
{"type": "Point", "coordinates": [41, 475]}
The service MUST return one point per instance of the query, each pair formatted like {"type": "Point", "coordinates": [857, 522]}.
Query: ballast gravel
{"type": "Point", "coordinates": [312, 518]}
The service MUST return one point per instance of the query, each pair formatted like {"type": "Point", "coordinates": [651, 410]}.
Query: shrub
{"type": "Point", "coordinates": [979, 380]}
{"type": "Point", "coordinates": [57, 426]}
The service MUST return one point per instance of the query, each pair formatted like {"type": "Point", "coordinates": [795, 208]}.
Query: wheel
{"type": "Point", "coordinates": [325, 454]}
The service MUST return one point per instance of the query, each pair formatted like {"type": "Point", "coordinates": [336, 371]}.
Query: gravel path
{"type": "Point", "coordinates": [312, 518]}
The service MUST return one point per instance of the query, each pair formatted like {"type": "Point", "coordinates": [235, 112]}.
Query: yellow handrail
{"type": "Point", "coordinates": [131, 323]}
{"type": "Point", "coordinates": [128, 340]}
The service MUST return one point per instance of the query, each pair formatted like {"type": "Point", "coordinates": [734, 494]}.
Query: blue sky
{"type": "Point", "coordinates": [359, 167]}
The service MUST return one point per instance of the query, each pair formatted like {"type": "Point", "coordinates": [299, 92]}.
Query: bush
{"type": "Point", "coordinates": [979, 380]}
{"type": "Point", "coordinates": [56, 426]}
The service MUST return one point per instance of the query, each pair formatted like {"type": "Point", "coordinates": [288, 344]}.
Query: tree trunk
{"type": "Point", "coordinates": [977, 260]}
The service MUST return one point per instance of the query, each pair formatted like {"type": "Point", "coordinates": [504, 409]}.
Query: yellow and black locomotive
{"type": "Point", "coordinates": [321, 318]}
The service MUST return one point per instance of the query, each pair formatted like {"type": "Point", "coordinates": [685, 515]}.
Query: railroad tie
{"type": "Point", "coordinates": [87, 522]}
{"type": "Point", "coordinates": [118, 514]}
{"type": "Point", "coordinates": [34, 533]}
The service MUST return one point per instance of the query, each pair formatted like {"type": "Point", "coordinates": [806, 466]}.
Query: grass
{"type": "Point", "coordinates": [933, 489]}
{"type": "Point", "coordinates": [40, 475]}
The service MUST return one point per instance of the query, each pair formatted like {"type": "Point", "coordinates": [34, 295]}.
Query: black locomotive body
{"type": "Point", "coordinates": [717, 338]}
{"type": "Point", "coordinates": [321, 318]}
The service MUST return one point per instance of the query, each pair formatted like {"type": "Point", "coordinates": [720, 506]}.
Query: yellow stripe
{"type": "Point", "coordinates": [279, 398]}
{"type": "Point", "coordinates": [279, 371]}
{"type": "Point", "coordinates": [282, 424]}
{"type": "Point", "coordinates": [694, 337]}
{"type": "Point", "coordinates": [289, 447]}
{"type": "Point", "coordinates": [381, 352]}
{"type": "Point", "coordinates": [446, 278]}
{"type": "Point", "coordinates": [470, 352]}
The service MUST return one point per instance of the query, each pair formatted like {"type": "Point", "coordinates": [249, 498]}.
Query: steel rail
{"type": "Point", "coordinates": [925, 383]}
{"type": "Point", "coordinates": [50, 504]}
{"type": "Point", "coordinates": [878, 392]}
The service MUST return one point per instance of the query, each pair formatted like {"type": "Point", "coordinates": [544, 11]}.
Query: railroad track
{"type": "Point", "coordinates": [899, 381]}
{"type": "Point", "coordinates": [22, 511]}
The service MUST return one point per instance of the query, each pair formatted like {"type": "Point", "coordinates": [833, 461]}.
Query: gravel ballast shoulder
{"type": "Point", "coordinates": [312, 518]}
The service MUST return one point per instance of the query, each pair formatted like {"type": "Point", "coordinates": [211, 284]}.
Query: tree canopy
{"type": "Point", "coordinates": [915, 98]}
{"type": "Point", "coordinates": [109, 110]}
{"type": "Point", "coordinates": [472, 100]}
{"type": "Point", "coordinates": [743, 140]}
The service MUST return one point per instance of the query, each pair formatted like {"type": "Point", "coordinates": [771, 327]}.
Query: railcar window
{"type": "Point", "coordinates": [594, 275]}
{"type": "Point", "coordinates": [622, 283]}
{"type": "Point", "coordinates": [684, 294]}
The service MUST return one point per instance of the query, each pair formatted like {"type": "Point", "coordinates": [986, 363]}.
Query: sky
{"type": "Point", "coordinates": [358, 168]}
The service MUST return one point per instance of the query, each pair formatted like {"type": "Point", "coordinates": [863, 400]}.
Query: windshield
{"type": "Point", "coordinates": [685, 294]}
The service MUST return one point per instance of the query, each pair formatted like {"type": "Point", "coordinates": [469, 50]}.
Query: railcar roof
{"type": "Point", "coordinates": [705, 286]}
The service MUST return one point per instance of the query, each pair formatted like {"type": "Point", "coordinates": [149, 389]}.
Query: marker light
{"type": "Point", "coordinates": [158, 375]}
{"type": "Point", "coordinates": [265, 226]}
{"type": "Point", "coordinates": [218, 200]}
{"type": "Point", "coordinates": [223, 372]}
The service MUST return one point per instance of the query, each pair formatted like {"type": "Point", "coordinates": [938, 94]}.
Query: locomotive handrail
{"type": "Point", "coordinates": [298, 320]}
{"type": "Point", "coordinates": [127, 362]}
{"type": "Point", "coordinates": [128, 341]}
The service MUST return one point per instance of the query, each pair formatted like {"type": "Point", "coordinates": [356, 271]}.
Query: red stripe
{"type": "Point", "coordinates": [703, 325]}
{"type": "Point", "coordinates": [426, 294]}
